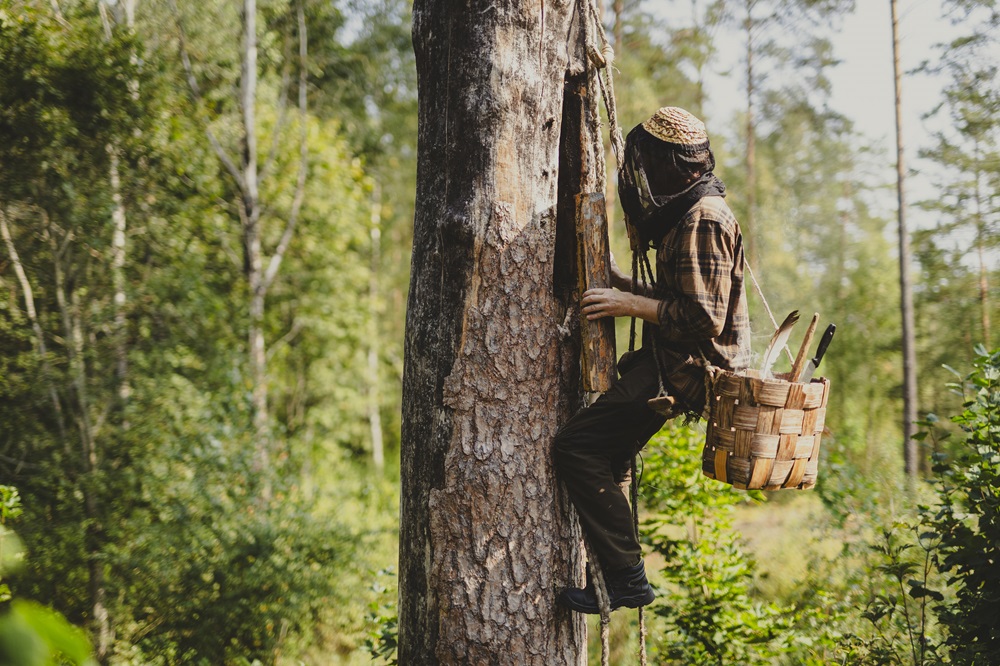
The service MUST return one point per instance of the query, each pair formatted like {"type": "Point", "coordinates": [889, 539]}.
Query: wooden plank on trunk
{"type": "Point", "coordinates": [597, 337]}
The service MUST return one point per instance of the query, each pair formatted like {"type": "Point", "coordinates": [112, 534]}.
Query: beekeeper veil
{"type": "Point", "coordinates": [668, 167]}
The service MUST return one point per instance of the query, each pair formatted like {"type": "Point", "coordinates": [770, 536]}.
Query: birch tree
{"type": "Point", "coordinates": [62, 244]}
{"type": "Point", "coordinates": [247, 169]}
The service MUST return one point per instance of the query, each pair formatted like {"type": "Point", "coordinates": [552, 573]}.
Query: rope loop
{"type": "Point", "coordinates": [608, 53]}
{"type": "Point", "coordinates": [641, 271]}
{"type": "Point", "coordinates": [598, 58]}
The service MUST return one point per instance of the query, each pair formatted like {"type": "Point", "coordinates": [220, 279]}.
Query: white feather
{"type": "Point", "coordinates": [778, 342]}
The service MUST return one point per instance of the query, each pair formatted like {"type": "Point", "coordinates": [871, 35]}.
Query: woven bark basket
{"type": "Point", "coordinates": [763, 433]}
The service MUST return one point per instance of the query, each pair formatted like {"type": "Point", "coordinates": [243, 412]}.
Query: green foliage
{"type": "Point", "coordinates": [33, 635]}
{"type": "Point", "coordinates": [11, 550]}
{"type": "Point", "coordinates": [707, 606]}
{"type": "Point", "coordinates": [956, 301]}
{"type": "Point", "coordinates": [902, 630]}
{"type": "Point", "coordinates": [383, 621]}
{"type": "Point", "coordinates": [64, 95]}
{"type": "Point", "coordinates": [931, 596]}
{"type": "Point", "coordinates": [247, 584]}
{"type": "Point", "coordinates": [966, 520]}
{"type": "Point", "coordinates": [151, 493]}
{"type": "Point", "coordinates": [30, 633]}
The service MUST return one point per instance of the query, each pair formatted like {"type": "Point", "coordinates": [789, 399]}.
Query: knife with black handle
{"type": "Point", "coordinates": [813, 363]}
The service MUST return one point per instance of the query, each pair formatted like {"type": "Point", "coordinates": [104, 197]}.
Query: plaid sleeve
{"type": "Point", "coordinates": [701, 262]}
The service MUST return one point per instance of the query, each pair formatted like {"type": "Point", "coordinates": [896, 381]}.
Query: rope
{"type": "Point", "coordinates": [642, 270]}
{"type": "Point", "coordinates": [767, 308]}
{"type": "Point", "coordinates": [634, 492]}
{"type": "Point", "coordinates": [597, 578]}
{"type": "Point", "coordinates": [635, 273]}
{"type": "Point", "coordinates": [604, 61]}
{"type": "Point", "coordinates": [597, 575]}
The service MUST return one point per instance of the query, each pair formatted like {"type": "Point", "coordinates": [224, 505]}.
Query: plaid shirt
{"type": "Point", "coordinates": [703, 306]}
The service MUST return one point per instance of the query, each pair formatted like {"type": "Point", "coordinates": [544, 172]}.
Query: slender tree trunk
{"type": "Point", "coordinates": [984, 284]}
{"type": "Point", "coordinates": [750, 223]}
{"type": "Point", "coordinates": [36, 327]}
{"type": "Point", "coordinates": [118, 255]}
{"type": "Point", "coordinates": [119, 221]}
{"type": "Point", "coordinates": [119, 238]}
{"type": "Point", "coordinates": [984, 291]}
{"type": "Point", "coordinates": [486, 534]}
{"type": "Point", "coordinates": [247, 176]}
{"type": "Point", "coordinates": [253, 252]}
{"type": "Point", "coordinates": [618, 32]}
{"type": "Point", "coordinates": [910, 462]}
{"type": "Point", "coordinates": [70, 312]}
{"type": "Point", "coordinates": [374, 384]}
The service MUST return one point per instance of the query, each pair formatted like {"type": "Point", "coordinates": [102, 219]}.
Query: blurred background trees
{"type": "Point", "coordinates": [130, 397]}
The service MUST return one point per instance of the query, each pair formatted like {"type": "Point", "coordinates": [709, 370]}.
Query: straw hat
{"type": "Point", "coordinates": [675, 125]}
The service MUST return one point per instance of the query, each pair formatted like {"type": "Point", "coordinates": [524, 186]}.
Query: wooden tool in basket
{"type": "Point", "coordinates": [764, 432]}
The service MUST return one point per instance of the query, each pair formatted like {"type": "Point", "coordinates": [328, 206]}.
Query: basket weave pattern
{"type": "Point", "coordinates": [764, 433]}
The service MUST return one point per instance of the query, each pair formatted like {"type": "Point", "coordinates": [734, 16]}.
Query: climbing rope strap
{"type": "Point", "coordinates": [642, 273]}
{"type": "Point", "coordinates": [641, 270]}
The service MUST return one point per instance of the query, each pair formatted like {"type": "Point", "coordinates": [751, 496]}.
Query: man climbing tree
{"type": "Point", "coordinates": [694, 312]}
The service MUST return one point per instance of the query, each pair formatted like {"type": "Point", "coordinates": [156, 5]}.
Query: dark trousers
{"type": "Point", "coordinates": [600, 440]}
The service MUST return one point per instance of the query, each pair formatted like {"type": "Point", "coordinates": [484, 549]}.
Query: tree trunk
{"type": "Point", "coordinates": [70, 311]}
{"type": "Point", "coordinates": [984, 283]}
{"type": "Point", "coordinates": [253, 253]}
{"type": "Point", "coordinates": [905, 288]}
{"type": "Point", "coordinates": [486, 533]}
{"type": "Point", "coordinates": [750, 220]}
{"type": "Point", "coordinates": [374, 383]}
{"type": "Point", "coordinates": [247, 176]}
{"type": "Point", "coordinates": [36, 327]}
{"type": "Point", "coordinates": [119, 220]}
{"type": "Point", "coordinates": [118, 255]}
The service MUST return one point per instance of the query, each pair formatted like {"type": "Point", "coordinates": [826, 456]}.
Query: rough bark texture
{"type": "Point", "coordinates": [486, 534]}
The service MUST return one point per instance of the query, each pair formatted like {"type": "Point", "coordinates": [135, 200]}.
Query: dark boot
{"type": "Point", "coordinates": [626, 587]}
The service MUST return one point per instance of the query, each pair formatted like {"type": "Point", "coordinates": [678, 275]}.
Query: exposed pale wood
{"type": "Point", "coordinates": [800, 358]}
{"type": "Point", "coordinates": [597, 337]}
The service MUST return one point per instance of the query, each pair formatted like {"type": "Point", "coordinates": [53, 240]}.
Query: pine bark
{"type": "Point", "coordinates": [487, 536]}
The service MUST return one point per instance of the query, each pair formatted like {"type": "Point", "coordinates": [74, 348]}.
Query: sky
{"type": "Point", "coordinates": [863, 81]}
{"type": "Point", "coordinates": [863, 84]}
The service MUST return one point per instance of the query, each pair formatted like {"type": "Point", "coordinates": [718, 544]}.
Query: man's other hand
{"type": "Point", "coordinates": [599, 303]}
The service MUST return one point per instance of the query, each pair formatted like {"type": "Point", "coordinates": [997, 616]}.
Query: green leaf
{"type": "Point", "coordinates": [34, 635]}
{"type": "Point", "coordinates": [55, 631]}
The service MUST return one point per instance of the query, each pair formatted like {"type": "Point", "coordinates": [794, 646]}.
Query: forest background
{"type": "Point", "coordinates": [202, 313]}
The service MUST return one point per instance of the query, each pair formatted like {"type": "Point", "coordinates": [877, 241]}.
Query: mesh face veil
{"type": "Point", "coordinates": [667, 167]}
